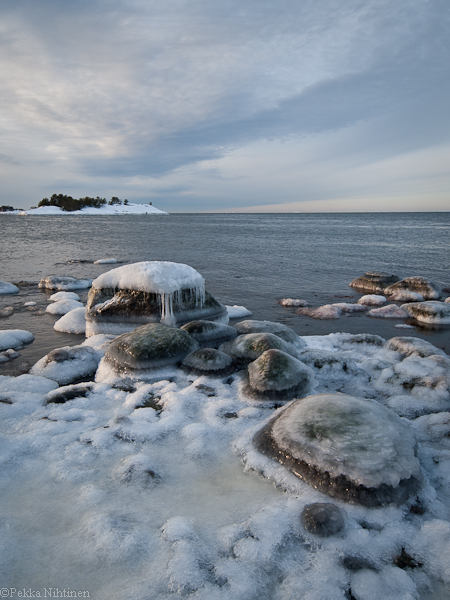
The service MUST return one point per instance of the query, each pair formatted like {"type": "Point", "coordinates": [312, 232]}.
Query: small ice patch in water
{"type": "Point", "coordinates": [237, 312]}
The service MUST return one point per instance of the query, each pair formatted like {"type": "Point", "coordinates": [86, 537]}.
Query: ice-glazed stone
{"type": "Point", "coordinates": [326, 312]}
{"type": "Point", "coordinates": [406, 296]}
{"type": "Point", "coordinates": [282, 331]}
{"type": "Point", "coordinates": [210, 334]}
{"type": "Point", "coordinates": [208, 360]}
{"type": "Point", "coordinates": [433, 312]}
{"type": "Point", "coordinates": [323, 519]}
{"type": "Point", "coordinates": [276, 374]}
{"type": "Point", "coordinates": [372, 300]}
{"type": "Point", "coordinates": [347, 447]}
{"type": "Point", "coordinates": [421, 285]}
{"type": "Point", "coordinates": [68, 365]}
{"type": "Point", "coordinates": [14, 338]}
{"type": "Point", "coordinates": [390, 311]}
{"type": "Point", "coordinates": [248, 347]}
{"type": "Point", "coordinates": [412, 346]}
{"type": "Point", "coordinates": [8, 288]}
{"type": "Point", "coordinates": [64, 283]}
{"type": "Point", "coordinates": [152, 345]}
{"type": "Point", "coordinates": [349, 307]}
{"type": "Point", "coordinates": [373, 281]}
{"type": "Point", "coordinates": [150, 292]}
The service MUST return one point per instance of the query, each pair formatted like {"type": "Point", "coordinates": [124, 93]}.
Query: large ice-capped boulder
{"type": "Point", "coordinates": [150, 346]}
{"type": "Point", "coordinates": [149, 292]}
{"type": "Point", "coordinates": [373, 281]}
{"type": "Point", "coordinates": [420, 285]}
{"type": "Point", "coordinates": [432, 312]}
{"type": "Point", "coordinates": [347, 447]}
{"type": "Point", "coordinates": [278, 375]}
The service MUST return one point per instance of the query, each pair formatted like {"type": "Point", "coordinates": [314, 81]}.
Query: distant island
{"type": "Point", "coordinates": [61, 204]}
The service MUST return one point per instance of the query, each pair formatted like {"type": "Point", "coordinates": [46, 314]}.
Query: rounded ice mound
{"type": "Point", "coordinates": [210, 333]}
{"type": "Point", "coordinates": [373, 281]}
{"type": "Point", "coordinates": [323, 519]}
{"type": "Point", "coordinates": [208, 361]}
{"type": "Point", "coordinates": [406, 296]}
{"type": "Point", "coordinates": [372, 300]}
{"type": "Point", "coordinates": [14, 338]}
{"type": "Point", "coordinates": [278, 375]}
{"type": "Point", "coordinates": [282, 331]}
{"type": "Point", "coordinates": [247, 348]}
{"type": "Point", "coordinates": [390, 311]}
{"type": "Point", "coordinates": [420, 285]}
{"type": "Point", "coordinates": [68, 364]}
{"type": "Point", "coordinates": [152, 345]}
{"type": "Point", "coordinates": [64, 283]}
{"type": "Point", "coordinates": [347, 447]}
{"type": "Point", "coordinates": [149, 292]}
{"type": "Point", "coordinates": [8, 288]}
{"type": "Point", "coordinates": [62, 307]}
{"type": "Point", "coordinates": [412, 346]}
{"type": "Point", "coordinates": [324, 313]}
{"type": "Point", "coordinates": [433, 312]}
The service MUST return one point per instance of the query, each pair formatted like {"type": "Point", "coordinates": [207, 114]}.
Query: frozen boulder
{"type": "Point", "coordinates": [14, 338]}
{"type": "Point", "coordinates": [282, 331]}
{"type": "Point", "coordinates": [373, 281]}
{"type": "Point", "coordinates": [406, 296]}
{"type": "Point", "coordinates": [8, 288]}
{"type": "Point", "coordinates": [57, 296]}
{"type": "Point", "coordinates": [277, 375]}
{"type": "Point", "coordinates": [412, 346]}
{"type": "Point", "coordinates": [323, 519]}
{"type": "Point", "coordinates": [421, 285]}
{"type": "Point", "coordinates": [210, 334]}
{"type": "Point", "coordinates": [292, 302]}
{"type": "Point", "coordinates": [326, 312]}
{"type": "Point", "coordinates": [390, 311]}
{"type": "Point", "coordinates": [68, 392]}
{"type": "Point", "coordinates": [247, 348]}
{"type": "Point", "coordinates": [72, 322]}
{"type": "Point", "coordinates": [62, 307]}
{"type": "Point", "coordinates": [372, 300]}
{"type": "Point", "coordinates": [349, 307]}
{"type": "Point", "coordinates": [432, 312]}
{"type": "Point", "coordinates": [149, 292]}
{"type": "Point", "coordinates": [152, 345]}
{"type": "Point", "coordinates": [346, 447]}
{"type": "Point", "coordinates": [53, 282]}
{"type": "Point", "coordinates": [68, 365]}
{"type": "Point", "coordinates": [208, 361]}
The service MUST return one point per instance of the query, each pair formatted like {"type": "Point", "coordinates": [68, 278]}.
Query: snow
{"type": "Point", "coordinates": [72, 322]}
{"type": "Point", "coordinates": [238, 312]}
{"type": "Point", "coordinates": [390, 311]}
{"type": "Point", "coordinates": [105, 261]}
{"type": "Point", "coordinates": [116, 209]}
{"type": "Point", "coordinates": [8, 288]}
{"type": "Point", "coordinates": [14, 338]}
{"type": "Point", "coordinates": [62, 307]}
{"type": "Point", "coordinates": [64, 296]}
{"type": "Point", "coordinates": [372, 300]}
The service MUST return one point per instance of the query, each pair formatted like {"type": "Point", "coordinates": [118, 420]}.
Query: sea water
{"type": "Point", "coordinates": [251, 260]}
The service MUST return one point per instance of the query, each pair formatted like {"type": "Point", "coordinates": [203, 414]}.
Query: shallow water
{"type": "Point", "coordinates": [251, 260]}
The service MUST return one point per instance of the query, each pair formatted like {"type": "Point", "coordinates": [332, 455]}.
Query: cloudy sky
{"type": "Point", "coordinates": [227, 105]}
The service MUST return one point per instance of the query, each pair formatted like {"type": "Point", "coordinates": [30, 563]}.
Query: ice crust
{"type": "Point", "coordinates": [153, 489]}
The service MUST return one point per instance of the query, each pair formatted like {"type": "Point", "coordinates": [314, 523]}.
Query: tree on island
{"type": "Point", "coordinates": [69, 204]}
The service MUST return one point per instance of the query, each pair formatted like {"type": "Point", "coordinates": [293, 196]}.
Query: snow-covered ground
{"type": "Point", "coordinates": [148, 485]}
{"type": "Point", "coordinates": [116, 209]}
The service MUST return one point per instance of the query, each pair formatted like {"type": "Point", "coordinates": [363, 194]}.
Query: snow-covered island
{"type": "Point", "coordinates": [121, 209]}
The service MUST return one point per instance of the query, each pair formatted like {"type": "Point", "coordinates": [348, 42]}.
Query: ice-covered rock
{"type": "Point", "coordinates": [68, 392]}
{"type": "Point", "coordinates": [323, 519]}
{"type": "Point", "coordinates": [210, 334]}
{"type": "Point", "coordinates": [421, 285]}
{"type": "Point", "coordinates": [373, 281]}
{"type": "Point", "coordinates": [282, 331]}
{"type": "Point", "coordinates": [278, 375]}
{"type": "Point", "coordinates": [238, 312]}
{"type": "Point", "coordinates": [68, 364]}
{"type": "Point", "coordinates": [62, 307]}
{"type": "Point", "coordinates": [55, 282]}
{"type": "Point", "coordinates": [14, 338]}
{"type": "Point", "coordinates": [72, 322]}
{"type": "Point", "coordinates": [372, 300]}
{"type": "Point", "coordinates": [348, 307]}
{"type": "Point", "coordinates": [208, 361]}
{"type": "Point", "coordinates": [292, 302]}
{"type": "Point", "coordinates": [149, 292]}
{"type": "Point", "coordinates": [433, 312]}
{"type": "Point", "coordinates": [325, 312]}
{"type": "Point", "coordinates": [332, 366]}
{"type": "Point", "coordinates": [149, 346]}
{"type": "Point", "coordinates": [447, 300]}
{"type": "Point", "coordinates": [390, 311]}
{"type": "Point", "coordinates": [406, 296]}
{"type": "Point", "coordinates": [8, 288]}
{"type": "Point", "coordinates": [57, 296]}
{"type": "Point", "coordinates": [6, 312]}
{"type": "Point", "coordinates": [105, 261]}
{"type": "Point", "coordinates": [248, 347]}
{"type": "Point", "coordinates": [347, 447]}
{"type": "Point", "coordinates": [412, 346]}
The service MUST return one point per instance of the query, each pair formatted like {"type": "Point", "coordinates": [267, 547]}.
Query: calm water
{"type": "Point", "coordinates": [250, 260]}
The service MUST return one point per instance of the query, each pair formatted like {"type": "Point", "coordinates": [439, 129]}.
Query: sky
{"type": "Point", "coordinates": [227, 105]}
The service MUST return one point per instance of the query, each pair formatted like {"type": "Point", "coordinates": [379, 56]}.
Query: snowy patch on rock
{"type": "Point", "coordinates": [421, 285]}
{"type": "Point", "coordinates": [372, 300]}
{"type": "Point", "coordinates": [68, 364]}
{"type": "Point", "coordinates": [8, 288]}
{"type": "Point", "coordinates": [62, 307]}
{"type": "Point", "coordinates": [292, 302]}
{"type": "Point", "coordinates": [347, 307]}
{"type": "Point", "coordinates": [373, 281]}
{"type": "Point", "coordinates": [433, 312]}
{"type": "Point", "coordinates": [326, 312]}
{"type": "Point", "coordinates": [390, 311]}
{"type": "Point", "coordinates": [58, 296]}
{"type": "Point", "coordinates": [54, 282]}
{"type": "Point", "coordinates": [72, 322]}
{"type": "Point", "coordinates": [14, 338]}
{"type": "Point", "coordinates": [237, 312]}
